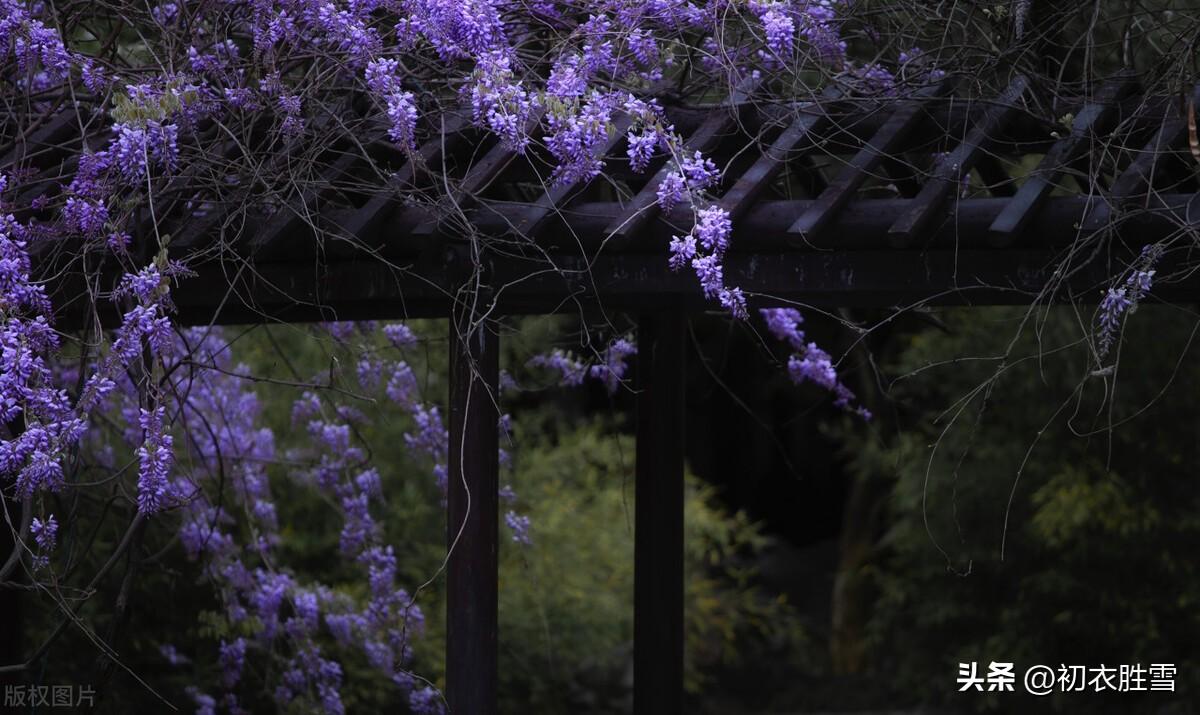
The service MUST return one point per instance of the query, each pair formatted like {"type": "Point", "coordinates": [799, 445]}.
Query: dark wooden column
{"type": "Point", "coordinates": [472, 508]}
{"type": "Point", "coordinates": [658, 518]}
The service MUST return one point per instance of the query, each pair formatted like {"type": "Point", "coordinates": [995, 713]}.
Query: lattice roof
{"type": "Point", "coordinates": [841, 200]}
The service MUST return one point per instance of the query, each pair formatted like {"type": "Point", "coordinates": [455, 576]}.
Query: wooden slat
{"type": "Point", "coordinates": [479, 176]}
{"type": "Point", "coordinates": [644, 206]}
{"type": "Point", "coordinates": [1137, 179]}
{"type": "Point", "coordinates": [1094, 118]}
{"type": "Point", "coordinates": [371, 289]}
{"type": "Point", "coordinates": [197, 233]}
{"type": "Point", "coordinates": [272, 239]}
{"type": "Point", "coordinates": [658, 516]}
{"type": "Point", "coordinates": [949, 172]}
{"type": "Point", "coordinates": [472, 501]}
{"type": "Point", "coordinates": [862, 224]}
{"type": "Point", "coordinates": [362, 225]}
{"type": "Point", "coordinates": [51, 135]}
{"type": "Point", "coordinates": [750, 185]}
{"type": "Point", "coordinates": [529, 220]}
{"type": "Point", "coordinates": [881, 146]}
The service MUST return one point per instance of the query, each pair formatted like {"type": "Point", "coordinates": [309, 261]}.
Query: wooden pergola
{"type": "Point", "coordinates": [835, 202]}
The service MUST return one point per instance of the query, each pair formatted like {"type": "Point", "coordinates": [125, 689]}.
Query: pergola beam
{"type": "Point", "coordinates": [881, 146]}
{"type": "Point", "coordinates": [394, 282]}
{"type": "Point", "coordinates": [372, 290]}
{"type": "Point", "coordinates": [950, 171]}
{"type": "Point", "coordinates": [750, 185]}
{"type": "Point", "coordinates": [1137, 180]}
{"type": "Point", "coordinates": [1095, 118]}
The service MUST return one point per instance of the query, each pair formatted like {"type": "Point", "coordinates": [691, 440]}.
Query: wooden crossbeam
{"type": "Point", "coordinates": [949, 172]}
{"type": "Point", "coordinates": [643, 208]}
{"type": "Point", "coordinates": [529, 220]}
{"type": "Point", "coordinates": [366, 220]}
{"type": "Point", "coordinates": [957, 269]}
{"type": "Point", "coordinates": [862, 223]}
{"type": "Point", "coordinates": [882, 145]}
{"type": "Point", "coordinates": [1092, 120]}
{"type": "Point", "coordinates": [271, 239]}
{"type": "Point", "coordinates": [1137, 180]}
{"type": "Point", "coordinates": [371, 289]}
{"type": "Point", "coordinates": [51, 136]}
{"type": "Point", "coordinates": [750, 185]}
{"type": "Point", "coordinates": [479, 176]}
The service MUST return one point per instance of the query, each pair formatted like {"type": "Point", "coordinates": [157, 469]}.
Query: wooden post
{"type": "Point", "coordinates": [658, 517]}
{"type": "Point", "coordinates": [472, 509]}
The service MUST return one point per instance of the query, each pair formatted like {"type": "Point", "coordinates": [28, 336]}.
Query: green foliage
{"type": "Point", "coordinates": [1042, 511]}
{"type": "Point", "coordinates": [566, 602]}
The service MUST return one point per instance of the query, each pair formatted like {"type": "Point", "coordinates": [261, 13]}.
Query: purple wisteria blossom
{"type": "Point", "coordinates": [383, 80]}
{"type": "Point", "coordinates": [570, 369]}
{"type": "Point", "coordinates": [399, 335]}
{"type": "Point", "coordinates": [172, 655]}
{"type": "Point", "coordinates": [49, 425]}
{"type": "Point", "coordinates": [519, 525]}
{"type": "Point", "coordinates": [232, 659]}
{"type": "Point", "coordinates": [426, 701]}
{"type": "Point", "coordinates": [576, 135]}
{"type": "Point", "coordinates": [45, 536]}
{"type": "Point", "coordinates": [1123, 299]}
{"type": "Point", "coordinates": [611, 370]}
{"type": "Point", "coordinates": [155, 457]}
{"type": "Point", "coordinates": [778, 26]}
{"type": "Point", "coordinates": [808, 362]}
{"type": "Point", "coordinates": [137, 149]}
{"type": "Point", "coordinates": [501, 103]}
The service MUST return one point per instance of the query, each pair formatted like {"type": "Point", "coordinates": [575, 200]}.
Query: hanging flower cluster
{"type": "Point", "coordinates": [1119, 300]}
{"type": "Point", "coordinates": [571, 370]}
{"type": "Point", "coordinates": [809, 363]}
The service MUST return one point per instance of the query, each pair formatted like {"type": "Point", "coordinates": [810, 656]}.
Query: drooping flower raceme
{"type": "Point", "coordinates": [155, 457]}
{"type": "Point", "coordinates": [611, 370]}
{"type": "Point", "coordinates": [45, 536]}
{"type": "Point", "coordinates": [808, 362]}
{"type": "Point", "coordinates": [1120, 300]}
{"type": "Point", "coordinates": [383, 80]}
{"type": "Point", "coordinates": [571, 371]}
